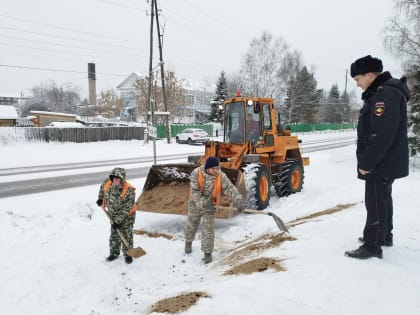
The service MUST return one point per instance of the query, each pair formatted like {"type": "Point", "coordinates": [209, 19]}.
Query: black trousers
{"type": "Point", "coordinates": [379, 207]}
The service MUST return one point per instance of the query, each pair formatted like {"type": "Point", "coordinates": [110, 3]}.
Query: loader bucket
{"type": "Point", "coordinates": [167, 188]}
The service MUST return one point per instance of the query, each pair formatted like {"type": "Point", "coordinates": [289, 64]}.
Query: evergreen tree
{"type": "Point", "coordinates": [414, 110]}
{"type": "Point", "coordinates": [333, 108]}
{"type": "Point", "coordinates": [345, 107]}
{"type": "Point", "coordinates": [221, 95]}
{"type": "Point", "coordinates": [302, 98]}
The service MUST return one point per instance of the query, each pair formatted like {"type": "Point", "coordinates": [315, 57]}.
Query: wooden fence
{"type": "Point", "coordinates": [91, 134]}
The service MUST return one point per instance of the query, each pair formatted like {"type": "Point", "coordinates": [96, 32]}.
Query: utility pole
{"type": "Point", "coordinates": [162, 74]}
{"type": "Point", "coordinates": [149, 90]}
{"type": "Point", "coordinates": [345, 85]}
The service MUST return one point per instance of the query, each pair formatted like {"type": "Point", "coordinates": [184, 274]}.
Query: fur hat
{"type": "Point", "coordinates": [211, 162]}
{"type": "Point", "coordinates": [365, 64]}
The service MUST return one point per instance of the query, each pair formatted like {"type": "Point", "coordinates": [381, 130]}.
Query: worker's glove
{"type": "Point", "coordinates": [115, 226]}
{"type": "Point", "coordinates": [211, 208]}
{"type": "Point", "coordinates": [240, 207]}
{"type": "Point", "coordinates": [99, 202]}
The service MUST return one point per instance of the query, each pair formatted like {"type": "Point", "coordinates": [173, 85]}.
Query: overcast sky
{"type": "Point", "coordinates": [201, 38]}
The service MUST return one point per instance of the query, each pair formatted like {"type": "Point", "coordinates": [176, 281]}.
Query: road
{"type": "Point", "coordinates": [32, 186]}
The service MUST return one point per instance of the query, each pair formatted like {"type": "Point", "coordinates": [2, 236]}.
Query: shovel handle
{"type": "Point", "coordinates": [118, 230]}
{"type": "Point", "coordinates": [255, 211]}
{"type": "Point", "coordinates": [244, 211]}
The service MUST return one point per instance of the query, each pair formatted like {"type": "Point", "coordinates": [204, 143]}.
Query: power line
{"type": "Point", "coordinates": [63, 45]}
{"type": "Point", "coordinates": [64, 28]}
{"type": "Point", "coordinates": [68, 37]}
{"type": "Point", "coordinates": [122, 5]}
{"type": "Point", "coordinates": [60, 70]}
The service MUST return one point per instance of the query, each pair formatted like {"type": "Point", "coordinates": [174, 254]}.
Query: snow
{"type": "Point", "coordinates": [8, 112]}
{"type": "Point", "coordinates": [54, 246]}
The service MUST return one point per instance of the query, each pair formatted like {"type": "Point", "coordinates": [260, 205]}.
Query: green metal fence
{"type": "Point", "coordinates": [176, 128]}
{"type": "Point", "coordinates": [319, 127]}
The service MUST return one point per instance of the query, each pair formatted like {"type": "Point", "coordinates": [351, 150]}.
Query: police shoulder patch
{"type": "Point", "coordinates": [379, 108]}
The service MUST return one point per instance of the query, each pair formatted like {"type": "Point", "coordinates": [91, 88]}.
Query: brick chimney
{"type": "Point", "coordinates": [92, 83]}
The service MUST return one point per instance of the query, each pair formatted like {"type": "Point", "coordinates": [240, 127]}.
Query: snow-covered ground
{"type": "Point", "coordinates": [54, 246]}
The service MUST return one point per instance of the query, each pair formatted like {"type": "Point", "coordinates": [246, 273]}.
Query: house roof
{"type": "Point", "coordinates": [8, 112]}
{"type": "Point", "coordinates": [129, 81]}
{"type": "Point", "coordinates": [40, 112]}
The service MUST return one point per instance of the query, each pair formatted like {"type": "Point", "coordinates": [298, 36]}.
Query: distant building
{"type": "Point", "coordinates": [9, 100]}
{"type": "Point", "coordinates": [198, 111]}
{"type": "Point", "coordinates": [45, 118]}
{"type": "Point", "coordinates": [126, 89]}
{"type": "Point", "coordinates": [8, 116]}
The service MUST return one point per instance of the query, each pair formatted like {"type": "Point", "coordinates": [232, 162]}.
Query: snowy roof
{"type": "Point", "coordinates": [8, 112]}
{"type": "Point", "coordinates": [129, 81]}
{"type": "Point", "coordinates": [51, 113]}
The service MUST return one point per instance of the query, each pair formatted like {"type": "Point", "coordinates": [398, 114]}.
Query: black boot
{"type": "Point", "coordinates": [188, 247]}
{"type": "Point", "coordinates": [207, 258]}
{"type": "Point", "coordinates": [111, 257]}
{"type": "Point", "coordinates": [363, 253]}
{"type": "Point", "coordinates": [387, 242]}
{"type": "Point", "coordinates": [128, 259]}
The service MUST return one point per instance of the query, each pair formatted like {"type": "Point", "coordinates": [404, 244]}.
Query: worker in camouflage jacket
{"type": "Point", "coordinates": [208, 184]}
{"type": "Point", "coordinates": [117, 196]}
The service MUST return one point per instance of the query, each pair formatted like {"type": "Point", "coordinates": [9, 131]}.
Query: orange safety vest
{"type": "Point", "coordinates": [124, 192]}
{"type": "Point", "coordinates": [217, 188]}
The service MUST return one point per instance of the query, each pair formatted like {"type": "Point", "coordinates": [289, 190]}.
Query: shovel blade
{"type": "Point", "coordinates": [136, 252]}
{"type": "Point", "coordinates": [282, 226]}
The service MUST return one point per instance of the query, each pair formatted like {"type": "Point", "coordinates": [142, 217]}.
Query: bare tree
{"type": "Point", "coordinates": [402, 31]}
{"type": "Point", "coordinates": [261, 66]}
{"type": "Point", "coordinates": [51, 96]}
{"type": "Point", "coordinates": [109, 104]}
{"type": "Point", "coordinates": [176, 95]}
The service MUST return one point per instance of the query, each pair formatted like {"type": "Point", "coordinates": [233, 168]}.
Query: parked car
{"type": "Point", "coordinates": [192, 135]}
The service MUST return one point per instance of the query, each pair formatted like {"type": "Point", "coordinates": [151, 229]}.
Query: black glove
{"type": "Point", "coordinates": [115, 226]}
{"type": "Point", "coordinates": [99, 202]}
{"type": "Point", "coordinates": [240, 207]}
{"type": "Point", "coordinates": [211, 208]}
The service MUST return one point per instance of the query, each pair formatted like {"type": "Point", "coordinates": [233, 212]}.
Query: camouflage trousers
{"type": "Point", "coordinates": [207, 235]}
{"type": "Point", "coordinates": [115, 242]}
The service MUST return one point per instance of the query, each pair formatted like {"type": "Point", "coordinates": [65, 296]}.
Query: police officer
{"type": "Point", "coordinates": [208, 183]}
{"type": "Point", "coordinates": [382, 150]}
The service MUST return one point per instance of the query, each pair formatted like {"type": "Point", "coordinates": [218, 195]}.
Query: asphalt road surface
{"type": "Point", "coordinates": [32, 186]}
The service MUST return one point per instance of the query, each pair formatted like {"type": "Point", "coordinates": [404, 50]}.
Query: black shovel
{"type": "Point", "coordinates": [281, 225]}
{"type": "Point", "coordinates": [133, 252]}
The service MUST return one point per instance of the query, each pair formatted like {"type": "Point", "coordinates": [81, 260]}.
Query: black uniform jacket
{"type": "Point", "coordinates": [382, 145]}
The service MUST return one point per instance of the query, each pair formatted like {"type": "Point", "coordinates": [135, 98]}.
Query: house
{"type": "Point", "coordinates": [9, 100]}
{"type": "Point", "coordinates": [44, 118]}
{"type": "Point", "coordinates": [197, 111]}
{"type": "Point", "coordinates": [8, 116]}
{"type": "Point", "coordinates": [127, 92]}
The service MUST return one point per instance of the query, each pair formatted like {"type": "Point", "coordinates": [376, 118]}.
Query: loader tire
{"type": "Point", "coordinates": [258, 186]}
{"type": "Point", "coordinates": [291, 178]}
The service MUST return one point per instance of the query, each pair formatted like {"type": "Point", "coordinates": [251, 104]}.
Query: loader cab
{"type": "Point", "coordinates": [243, 122]}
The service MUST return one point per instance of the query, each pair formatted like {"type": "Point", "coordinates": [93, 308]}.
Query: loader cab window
{"type": "Point", "coordinates": [267, 117]}
{"type": "Point", "coordinates": [235, 122]}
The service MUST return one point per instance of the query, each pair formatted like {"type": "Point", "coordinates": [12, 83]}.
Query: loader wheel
{"type": "Point", "coordinates": [258, 186]}
{"type": "Point", "coordinates": [177, 140]}
{"type": "Point", "coordinates": [291, 178]}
